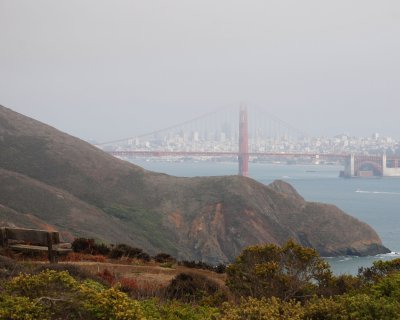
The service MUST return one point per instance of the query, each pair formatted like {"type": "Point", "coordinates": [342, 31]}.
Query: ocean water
{"type": "Point", "coordinates": [375, 201]}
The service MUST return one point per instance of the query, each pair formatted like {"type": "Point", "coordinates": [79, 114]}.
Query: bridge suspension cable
{"type": "Point", "coordinates": [278, 120]}
{"type": "Point", "coordinates": [177, 125]}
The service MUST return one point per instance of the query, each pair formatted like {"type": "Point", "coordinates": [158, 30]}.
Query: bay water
{"type": "Point", "coordinates": [375, 201]}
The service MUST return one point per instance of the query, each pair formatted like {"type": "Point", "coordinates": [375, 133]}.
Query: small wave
{"type": "Point", "coordinates": [377, 192]}
{"type": "Point", "coordinates": [346, 258]}
{"type": "Point", "coordinates": [390, 254]}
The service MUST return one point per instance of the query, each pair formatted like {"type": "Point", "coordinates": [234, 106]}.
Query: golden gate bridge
{"type": "Point", "coordinates": [267, 129]}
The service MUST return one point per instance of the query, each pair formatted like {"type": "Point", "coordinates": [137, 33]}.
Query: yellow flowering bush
{"type": "Point", "coordinates": [57, 295]}
{"type": "Point", "coordinates": [48, 281]}
{"type": "Point", "coordinates": [21, 308]}
{"type": "Point", "coordinates": [110, 304]}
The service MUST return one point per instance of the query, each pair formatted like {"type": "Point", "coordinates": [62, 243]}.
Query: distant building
{"type": "Point", "coordinates": [375, 136]}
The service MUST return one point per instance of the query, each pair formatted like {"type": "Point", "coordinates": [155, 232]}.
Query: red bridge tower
{"type": "Point", "coordinates": [243, 142]}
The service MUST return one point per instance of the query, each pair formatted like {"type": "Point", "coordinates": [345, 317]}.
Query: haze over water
{"type": "Point", "coordinates": [375, 201]}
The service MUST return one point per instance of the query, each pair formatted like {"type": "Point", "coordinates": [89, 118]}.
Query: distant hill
{"type": "Point", "coordinates": [49, 179]}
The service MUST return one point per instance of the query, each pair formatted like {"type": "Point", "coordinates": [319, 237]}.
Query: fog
{"type": "Point", "coordinates": [105, 70]}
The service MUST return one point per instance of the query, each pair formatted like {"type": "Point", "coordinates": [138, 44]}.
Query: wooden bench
{"type": "Point", "coordinates": [28, 240]}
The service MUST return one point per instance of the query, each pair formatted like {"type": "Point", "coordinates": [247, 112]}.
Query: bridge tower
{"type": "Point", "coordinates": [243, 142]}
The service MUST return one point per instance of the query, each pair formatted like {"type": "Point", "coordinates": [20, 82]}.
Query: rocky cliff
{"type": "Point", "coordinates": [51, 180]}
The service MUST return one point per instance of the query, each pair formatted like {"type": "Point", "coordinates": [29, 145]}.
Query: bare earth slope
{"type": "Point", "coordinates": [50, 179]}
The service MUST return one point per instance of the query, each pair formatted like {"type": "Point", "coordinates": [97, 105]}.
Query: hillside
{"type": "Point", "coordinates": [49, 179]}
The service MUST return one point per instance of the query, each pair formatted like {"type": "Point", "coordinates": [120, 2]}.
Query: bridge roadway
{"type": "Point", "coordinates": [354, 165]}
{"type": "Point", "coordinates": [147, 153]}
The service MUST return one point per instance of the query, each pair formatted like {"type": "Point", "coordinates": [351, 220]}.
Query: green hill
{"type": "Point", "coordinates": [49, 179]}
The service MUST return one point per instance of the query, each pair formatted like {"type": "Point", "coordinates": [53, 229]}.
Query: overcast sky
{"type": "Point", "coordinates": [112, 69]}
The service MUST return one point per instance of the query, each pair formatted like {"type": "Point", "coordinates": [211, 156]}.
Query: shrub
{"type": "Point", "coordinates": [143, 256]}
{"type": "Point", "coordinates": [58, 294]}
{"type": "Point", "coordinates": [123, 250]}
{"type": "Point", "coordinates": [22, 308]}
{"type": "Point", "coordinates": [164, 257]}
{"type": "Point", "coordinates": [388, 287]}
{"type": "Point", "coordinates": [340, 285]}
{"type": "Point", "coordinates": [380, 301]}
{"type": "Point", "coordinates": [323, 309]}
{"type": "Point", "coordinates": [190, 287]}
{"type": "Point", "coordinates": [287, 272]}
{"type": "Point", "coordinates": [53, 291]}
{"type": "Point", "coordinates": [220, 268]}
{"type": "Point", "coordinates": [89, 246]}
{"type": "Point", "coordinates": [378, 270]}
{"type": "Point", "coordinates": [41, 284]}
{"type": "Point", "coordinates": [196, 265]}
{"type": "Point", "coordinates": [269, 309]}
{"type": "Point", "coordinates": [174, 310]}
{"type": "Point", "coordinates": [364, 306]}
{"type": "Point", "coordinates": [73, 270]}
{"type": "Point", "coordinates": [101, 249]}
{"type": "Point", "coordinates": [110, 304]}
{"type": "Point", "coordinates": [82, 245]}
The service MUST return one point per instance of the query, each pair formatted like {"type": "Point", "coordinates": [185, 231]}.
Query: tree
{"type": "Point", "coordinates": [287, 272]}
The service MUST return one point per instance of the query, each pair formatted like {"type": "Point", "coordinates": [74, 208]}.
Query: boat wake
{"type": "Point", "coordinates": [377, 192]}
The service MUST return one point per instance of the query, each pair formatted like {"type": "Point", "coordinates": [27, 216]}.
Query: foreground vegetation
{"type": "Point", "coordinates": [265, 282]}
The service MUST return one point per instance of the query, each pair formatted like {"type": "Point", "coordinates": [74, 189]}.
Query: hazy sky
{"type": "Point", "coordinates": [110, 69]}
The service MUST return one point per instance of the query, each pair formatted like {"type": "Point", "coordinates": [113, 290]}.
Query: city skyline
{"type": "Point", "coordinates": [261, 132]}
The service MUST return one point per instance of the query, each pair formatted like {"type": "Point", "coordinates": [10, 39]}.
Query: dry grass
{"type": "Point", "coordinates": [150, 275]}
{"type": "Point", "coordinates": [77, 257]}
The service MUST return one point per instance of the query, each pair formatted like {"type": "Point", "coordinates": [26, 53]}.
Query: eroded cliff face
{"type": "Point", "coordinates": [259, 214]}
{"type": "Point", "coordinates": [49, 179]}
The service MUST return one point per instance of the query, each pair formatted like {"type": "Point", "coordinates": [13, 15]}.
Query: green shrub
{"type": "Point", "coordinates": [191, 287]}
{"type": "Point", "coordinates": [341, 284]}
{"type": "Point", "coordinates": [387, 287]}
{"type": "Point", "coordinates": [123, 250]}
{"type": "Point", "coordinates": [323, 309]}
{"type": "Point", "coordinates": [174, 310]}
{"type": "Point", "coordinates": [164, 257]}
{"type": "Point", "coordinates": [380, 301]}
{"type": "Point", "coordinates": [378, 270]}
{"type": "Point", "coordinates": [367, 307]}
{"type": "Point", "coordinates": [46, 283]}
{"type": "Point", "coordinates": [109, 304]}
{"type": "Point", "coordinates": [60, 296]}
{"type": "Point", "coordinates": [287, 272]}
{"type": "Point", "coordinates": [89, 246]}
{"type": "Point", "coordinates": [21, 308]}
{"type": "Point", "coordinates": [75, 271]}
{"type": "Point", "coordinates": [196, 265]}
{"type": "Point", "coordinates": [262, 309]}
